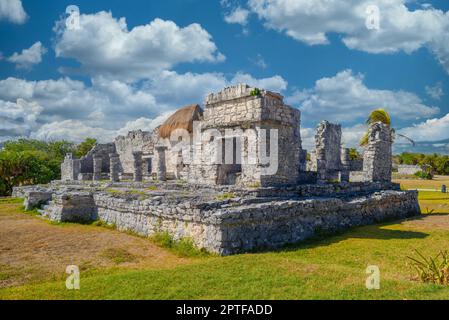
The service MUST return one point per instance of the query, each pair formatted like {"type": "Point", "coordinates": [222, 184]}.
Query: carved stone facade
{"type": "Point", "coordinates": [245, 132]}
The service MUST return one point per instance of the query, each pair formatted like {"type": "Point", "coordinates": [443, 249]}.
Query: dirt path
{"type": "Point", "coordinates": [32, 249]}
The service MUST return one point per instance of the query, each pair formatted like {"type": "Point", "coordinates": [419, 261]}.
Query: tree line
{"type": "Point", "coordinates": [28, 161]}
{"type": "Point", "coordinates": [438, 164]}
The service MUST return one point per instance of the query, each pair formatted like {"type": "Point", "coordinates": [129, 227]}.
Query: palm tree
{"type": "Point", "coordinates": [380, 115]}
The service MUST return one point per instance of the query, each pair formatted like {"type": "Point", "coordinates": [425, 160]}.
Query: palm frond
{"type": "Point", "coordinates": [364, 141]}
{"type": "Point", "coordinates": [379, 115]}
{"type": "Point", "coordinates": [407, 138]}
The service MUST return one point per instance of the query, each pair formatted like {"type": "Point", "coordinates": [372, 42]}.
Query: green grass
{"type": "Point", "coordinates": [183, 247]}
{"type": "Point", "coordinates": [328, 268]}
{"type": "Point", "coordinates": [225, 196]}
{"type": "Point", "coordinates": [433, 195]}
{"type": "Point", "coordinates": [11, 200]}
{"type": "Point", "coordinates": [332, 268]}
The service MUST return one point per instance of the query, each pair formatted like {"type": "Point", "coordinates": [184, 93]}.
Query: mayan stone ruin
{"type": "Point", "coordinates": [232, 176]}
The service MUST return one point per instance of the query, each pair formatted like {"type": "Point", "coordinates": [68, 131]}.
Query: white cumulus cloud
{"type": "Point", "coordinates": [400, 29]}
{"type": "Point", "coordinates": [105, 46]}
{"type": "Point", "coordinates": [12, 11]}
{"type": "Point", "coordinates": [18, 118]}
{"type": "Point", "coordinates": [28, 57]}
{"type": "Point", "coordinates": [238, 16]}
{"type": "Point", "coordinates": [345, 98]}
{"type": "Point", "coordinates": [72, 130]}
{"type": "Point", "coordinates": [434, 129]}
{"type": "Point", "coordinates": [72, 109]}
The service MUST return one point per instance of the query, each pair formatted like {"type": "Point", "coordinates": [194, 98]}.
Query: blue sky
{"type": "Point", "coordinates": [113, 75]}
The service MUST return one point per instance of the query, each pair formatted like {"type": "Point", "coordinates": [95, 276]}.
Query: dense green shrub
{"type": "Point", "coordinates": [424, 175]}
{"type": "Point", "coordinates": [27, 161]}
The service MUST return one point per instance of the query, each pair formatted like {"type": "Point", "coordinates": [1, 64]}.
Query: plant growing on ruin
{"type": "Point", "coordinates": [380, 115]}
{"type": "Point", "coordinates": [225, 196]}
{"type": "Point", "coordinates": [255, 92]}
{"type": "Point", "coordinates": [434, 270]}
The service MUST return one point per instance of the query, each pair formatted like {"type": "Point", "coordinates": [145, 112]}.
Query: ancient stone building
{"type": "Point", "coordinates": [232, 178]}
{"type": "Point", "coordinates": [246, 135]}
{"type": "Point", "coordinates": [83, 169]}
{"type": "Point", "coordinates": [243, 137]}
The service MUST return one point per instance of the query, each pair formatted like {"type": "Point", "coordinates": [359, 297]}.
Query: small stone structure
{"type": "Point", "coordinates": [408, 169]}
{"type": "Point", "coordinates": [70, 168]}
{"type": "Point", "coordinates": [233, 178]}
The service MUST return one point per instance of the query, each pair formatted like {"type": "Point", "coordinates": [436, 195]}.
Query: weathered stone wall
{"type": "Point", "coordinates": [408, 169]}
{"type": "Point", "coordinates": [236, 108]}
{"type": "Point", "coordinates": [356, 164]}
{"type": "Point", "coordinates": [99, 150]}
{"type": "Point", "coordinates": [272, 225]}
{"type": "Point", "coordinates": [377, 161]}
{"type": "Point", "coordinates": [70, 168]}
{"type": "Point", "coordinates": [71, 207]}
{"type": "Point", "coordinates": [328, 150]}
{"type": "Point", "coordinates": [227, 228]}
{"type": "Point", "coordinates": [74, 169]}
{"type": "Point", "coordinates": [139, 140]}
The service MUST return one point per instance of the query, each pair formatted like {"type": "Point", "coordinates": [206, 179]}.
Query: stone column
{"type": "Point", "coordinates": [161, 168]}
{"type": "Point", "coordinates": [114, 167]}
{"type": "Point", "coordinates": [321, 165]}
{"type": "Point", "coordinates": [98, 162]}
{"type": "Point", "coordinates": [377, 164]}
{"type": "Point", "coordinates": [345, 165]}
{"type": "Point", "coordinates": [138, 174]}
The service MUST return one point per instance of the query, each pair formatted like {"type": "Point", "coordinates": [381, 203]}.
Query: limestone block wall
{"type": "Point", "coordinates": [377, 163]}
{"type": "Point", "coordinates": [234, 229]}
{"type": "Point", "coordinates": [70, 168]}
{"type": "Point", "coordinates": [177, 161]}
{"type": "Point", "coordinates": [134, 141]}
{"type": "Point", "coordinates": [408, 169]}
{"type": "Point", "coordinates": [272, 225]}
{"type": "Point", "coordinates": [328, 150]}
{"type": "Point", "coordinates": [235, 108]}
{"type": "Point", "coordinates": [99, 150]}
{"type": "Point", "coordinates": [356, 164]}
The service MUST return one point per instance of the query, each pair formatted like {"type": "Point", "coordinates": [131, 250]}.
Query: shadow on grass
{"type": "Point", "coordinates": [376, 231]}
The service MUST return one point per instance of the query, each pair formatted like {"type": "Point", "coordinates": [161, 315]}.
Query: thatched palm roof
{"type": "Point", "coordinates": [182, 119]}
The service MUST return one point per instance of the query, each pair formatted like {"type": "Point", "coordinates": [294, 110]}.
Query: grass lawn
{"type": "Point", "coordinates": [330, 268]}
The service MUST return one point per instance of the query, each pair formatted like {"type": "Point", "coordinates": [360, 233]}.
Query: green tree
{"type": "Point", "coordinates": [354, 154]}
{"type": "Point", "coordinates": [84, 147]}
{"type": "Point", "coordinates": [24, 168]}
{"type": "Point", "coordinates": [28, 161]}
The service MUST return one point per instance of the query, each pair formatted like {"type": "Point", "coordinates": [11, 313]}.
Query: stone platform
{"type": "Point", "coordinates": [225, 219]}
